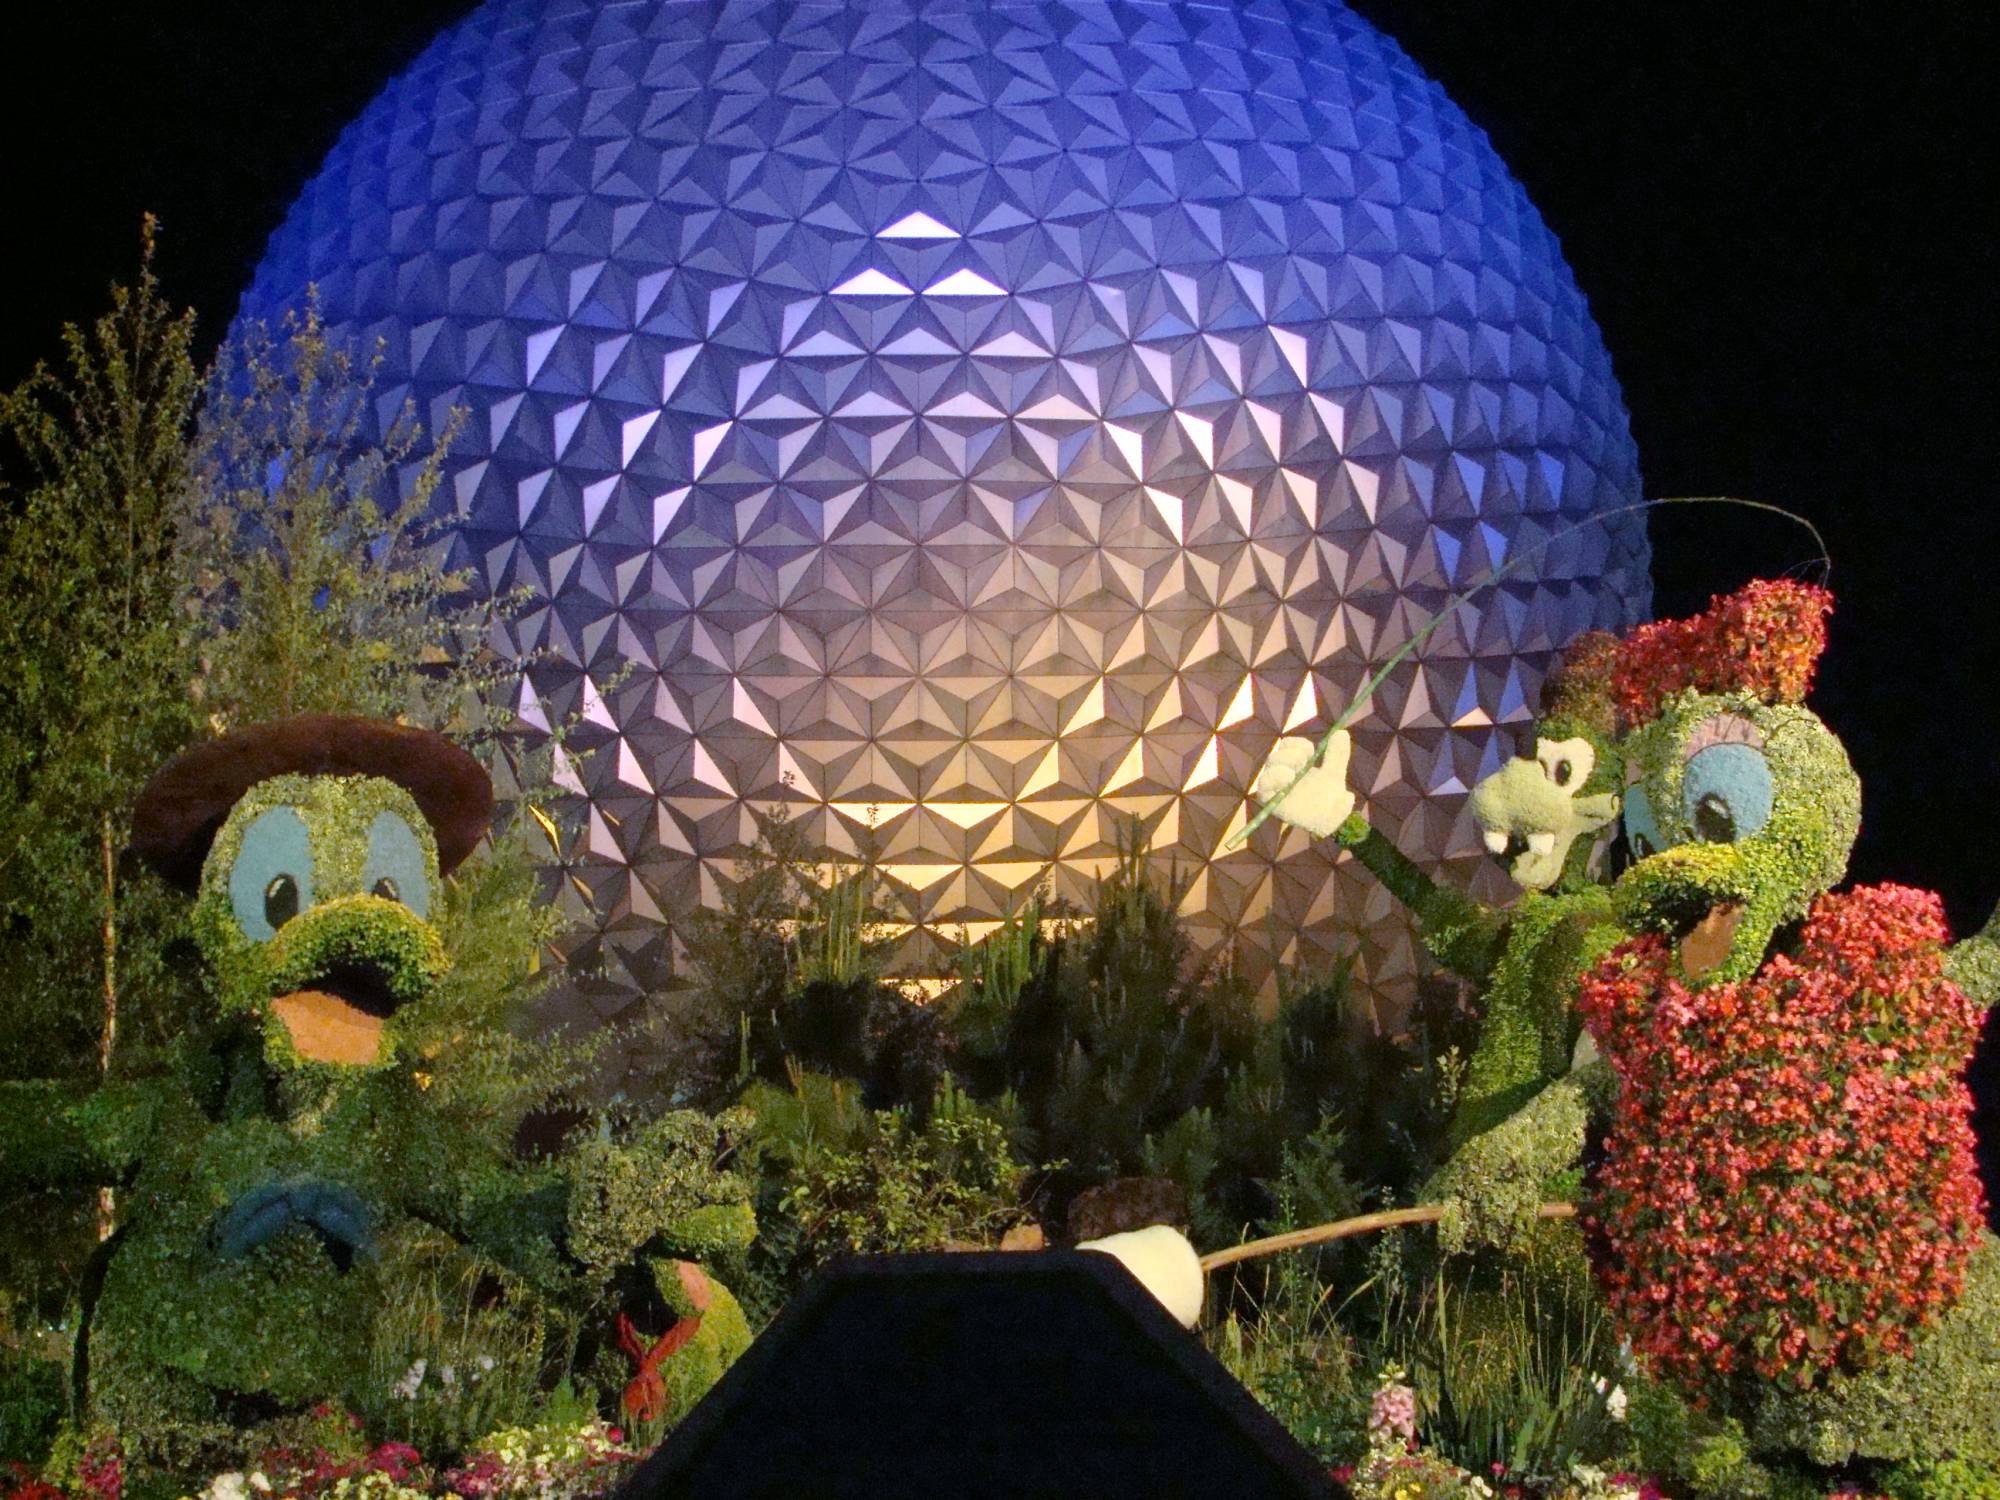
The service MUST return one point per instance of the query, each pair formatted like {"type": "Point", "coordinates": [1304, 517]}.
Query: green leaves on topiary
{"type": "Point", "coordinates": [1492, 1186]}
{"type": "Point", "coordinates": [1943, 1400]}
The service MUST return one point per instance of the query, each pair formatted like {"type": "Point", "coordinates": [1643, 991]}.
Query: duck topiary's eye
{"type": "Point", "coordinates": [1726, 793]}
{"type": "Point", "coordinates": [1642, 829]}
{"type": "Point", "coordinates": [271, 881]}
{"type": "Point", "coordinates": [396, 869]}
{"type": "Point", "coordinates": [281, 901]}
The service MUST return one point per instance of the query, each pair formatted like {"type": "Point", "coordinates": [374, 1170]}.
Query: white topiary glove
{"type": "Point", "coordinates": [1321, 802]}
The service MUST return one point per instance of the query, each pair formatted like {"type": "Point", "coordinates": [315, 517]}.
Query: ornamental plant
{"type": "Point", "coordinates": [553, 1460]}
{"type": "Point", "coordinates": [1788, 1188]}
{"type": "Point", "coordinates": [1766, 639]}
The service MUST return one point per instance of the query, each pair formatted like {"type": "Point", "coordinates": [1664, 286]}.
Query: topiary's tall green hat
{"type": "Point", "coordinates": [182, 807]}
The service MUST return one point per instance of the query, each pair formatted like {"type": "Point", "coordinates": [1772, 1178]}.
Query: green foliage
{"type": "Point", "coordinates": [992, 976]}
{"type": "Point", "coordinates": [1531, 1025]}
{"type": "Point", "coordinates": [860, 1028]}
{"type": "Point", "coordinates": [1939, 1478]}
{"type": "Point", "coordinates": [34, 1398]}
{"type": "Point", "coordinates": [1128, 1058]}
{"type": "Point", "coordinates": [835, 1176]}
{"type": "Point", "coordinates": [786, 968]}
{"type": "Point", "coordinates": [96, 669]}
{"type": "Point", "coordinates": [457, 1352]}
{"type": "Point", "coordinates": [1719, 1467]}
{"type": "Point", "coordinates": [1299, 1362]}
{"type": "Point", "coordinates": [1493, 1185]}
{"type": "Point", "coordinates": [898, 1185]}
{"type": "Point", "coordinates": [1117, 1043]}
{"type": "Point", "coordinates": [741, 961]}
{"type": "Point", "coordinates": [313, 584]}
{"type": "Point", "coordinates": [1294, 1350]}
{"type": "Point", "coordinates": [96, 674]}
{"type": "Point", "coordinates": [1974, 965]}
{"type": "Point", "coordinates": [660, 1183]}
{"type": "Point", "coordinates": [1707, 1455]}
{"type": "Point", "coordinates": [1506, 1354]}
{"type": "Point", "coordinates": [840, 944]}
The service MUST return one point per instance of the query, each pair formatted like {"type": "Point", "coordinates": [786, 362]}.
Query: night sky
{"type": "Point", "coordinates": [1772, 208]}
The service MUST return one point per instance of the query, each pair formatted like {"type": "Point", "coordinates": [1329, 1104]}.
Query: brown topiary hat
{"type": "Point", "coordinates": [184, 805]}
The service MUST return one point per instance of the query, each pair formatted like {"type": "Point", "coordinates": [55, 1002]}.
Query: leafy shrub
{"type": "Point", "coordinates": [453, 1355]}
{"type": "Point", "coordinates": [1128, 1057]}
{"type": "Point", "coordinates": [1941, 1479]}
{"type": "Point", "coordinates": [1513, 1358]}
{"type": "Point", "coordinates": [900, 1186]}
{"type": "Point", "coordinates": [1299, 1362]}
{"type": "Point", "coordinates": [1701, 1452]}
{"type": "Point", "coordinates": [34, 1396]}
{"type": "Point", "coordinates": [859, 1028]}
{"type": "Point", "coordinates": [1788, 1188]}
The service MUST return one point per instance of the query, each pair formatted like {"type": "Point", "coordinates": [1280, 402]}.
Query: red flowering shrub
{"type": "Point", "coordinates": [1766, 638]}
{"type": "Point", "coordinates": [19, 1482]}
{"type": "Point", "coordinates": [100, 1470]}
{"type": "Point", "coordinates": [1788, 1185]}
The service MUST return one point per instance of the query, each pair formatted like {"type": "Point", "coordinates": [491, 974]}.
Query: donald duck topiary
{"type": "Point", "coordinates": [317, 1150]}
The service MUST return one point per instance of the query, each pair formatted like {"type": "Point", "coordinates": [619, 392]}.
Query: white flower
{"type": "Point", "coordinates": [448, 1375]}
{"type": "Point", "coordinates": [260, 1481]}
{"type": "Point", "coordinates": [413, 1379]}
{"type": "Point", "coordinates": [485, 1362]}
{"type": "Point", "coordinates": [1614, 1397]}
{"type": "Point", "coordinates": [229, 1486]}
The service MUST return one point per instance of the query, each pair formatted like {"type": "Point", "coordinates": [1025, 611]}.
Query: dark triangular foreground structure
{"type": "Point", "coordinates": [1025, 1375]}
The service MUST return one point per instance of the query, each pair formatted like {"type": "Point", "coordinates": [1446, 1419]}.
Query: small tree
{"type": "Point", "coordinates": [314, 587]}
{"type": "Point", "coordinates": [96, 680]}
{"type": "Point", "coordinates": [315, 582]}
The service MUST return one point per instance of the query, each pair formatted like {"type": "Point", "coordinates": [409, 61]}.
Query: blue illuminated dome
{"type": "Point", "coordinates": [980, 423]}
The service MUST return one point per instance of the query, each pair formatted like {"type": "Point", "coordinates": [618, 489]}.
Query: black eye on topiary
{"type": "Point", "coordinates": [281, 900]}
{"type": "Point", "coordinates": [1713, 821]}
{"type": "Point", "coordinates": [1564, 770]}
{"type": "Point", "coordinates": [386, 889]}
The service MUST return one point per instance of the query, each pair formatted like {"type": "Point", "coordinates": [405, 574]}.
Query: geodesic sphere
{"type": "Point", "coordinates": [979, 424]}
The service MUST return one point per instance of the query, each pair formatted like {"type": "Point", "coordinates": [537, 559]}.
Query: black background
{"type": "Point", "coordinates": [1777, 211]}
